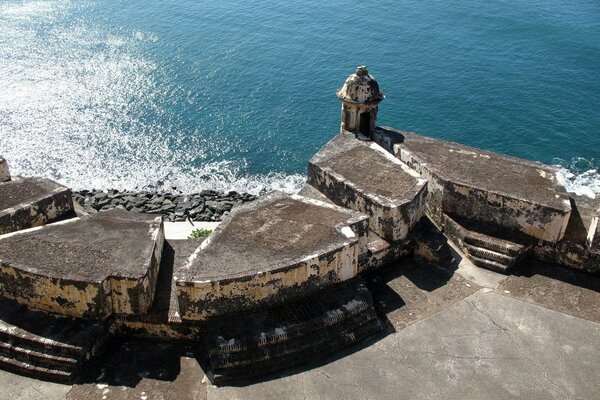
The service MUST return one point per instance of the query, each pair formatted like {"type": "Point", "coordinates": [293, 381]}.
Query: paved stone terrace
{"type": "Point", "coordinates": [482, 337]}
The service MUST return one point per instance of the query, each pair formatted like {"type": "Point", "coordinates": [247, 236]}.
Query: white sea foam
{"type": "Point", "coordinates": [74, 105]}
{"type": "Point", "coordinates": [581, 176]}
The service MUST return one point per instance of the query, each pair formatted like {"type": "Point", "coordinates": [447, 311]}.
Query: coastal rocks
{"type": "Point", "coordinates": [207, 205]}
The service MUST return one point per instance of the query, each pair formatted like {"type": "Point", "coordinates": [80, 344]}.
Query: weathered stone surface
{"type": "Point", "coordinates": [493, 189]}
{"type": "Point", "coordinates": [93, 267]}
{"type": "Point", "coordinates": [551, 286]}
{"type": "Point", "coordinates": [277, 248]}
{"type": "Point", "coordinates": [363, 177]}
{"type": "Point", "coordinates": [163, 321]}
{"type": "Point", "coordinates": [44, 346]}
{"type": "Point", "coordinates": [275, 339]}
{"type": "Point", "coordinates": [29, 202]}
{"type": "Point", "coordinates": [4, 171]}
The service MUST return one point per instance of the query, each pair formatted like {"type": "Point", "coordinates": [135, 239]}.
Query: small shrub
{"type": "Point", "coordinates": [200, 233]}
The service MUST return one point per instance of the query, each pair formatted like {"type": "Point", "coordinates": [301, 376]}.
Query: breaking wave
{"type": "Point", "coordinates": [581, 175]}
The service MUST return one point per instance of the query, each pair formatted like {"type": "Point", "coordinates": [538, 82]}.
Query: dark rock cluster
{"type": "Point", "coordinates": [208, 205]}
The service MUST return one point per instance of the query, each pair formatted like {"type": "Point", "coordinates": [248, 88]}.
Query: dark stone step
{"type": "Point", "coordinates": [40, 359]}
{"type": "Point", "coordinates": [489, 264]}
{"type": "Point", "coordinates": [461, 234]}
{"type": "Point", "coordinates": [297, 318]}
{"type": "Point", "coordinates": [343, 339]}
{"type": "Point", "coordinates": [49, 334]}
{"type": "Point", "coordinates": [290, 332]}
{"type": "Point", "coordinates": [274, 350]}
{"type": "Point", "coordinates": [13, 365]}
{"type": "Point", "coordinates": [491, 255]}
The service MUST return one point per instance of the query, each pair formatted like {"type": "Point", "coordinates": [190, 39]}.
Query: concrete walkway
{"type": "Point", "coordinates": [448, 338]}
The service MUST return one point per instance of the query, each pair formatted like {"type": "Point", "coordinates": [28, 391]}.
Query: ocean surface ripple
{"type": "Point", "coordinates": [238, 95]}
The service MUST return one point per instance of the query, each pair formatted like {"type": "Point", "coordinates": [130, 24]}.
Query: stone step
{"type": "Point", "coordinates": [489, 264]}
{"type": "Point", "coordinates": [491, 255]}
{"type": "Point", "coordinates": [285, 333]}
{"type": "Point", "coordinates": [37, 358]}
{"type": "Point", "coordinates": [35, 371]}
{"type": "Point", "coordinates": [495, 244]}
{"type": "Point", "coordinates": [344, 339]}
{"type": "Point", "coordinates": [293, 345]}
{"type": "Point", "coordinates": [486, 251]}
{"type": "Point", "coordinates": [46, 346]}
{"type": "Point", "coordinates": [290, 334]}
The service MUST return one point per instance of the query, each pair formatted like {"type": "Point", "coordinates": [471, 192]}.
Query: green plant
{"type": "Point", "coordinates": [200, 233]}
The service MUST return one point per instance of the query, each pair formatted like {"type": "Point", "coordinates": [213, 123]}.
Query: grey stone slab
{"type": "Point", "coordinates": [144, 371]}
{"type": "Point", "coordinates": [363, 177]}
{"type": "Point", "coordinates": [30, 202]}
{"type": "Point", "coordinates": [486, 346]}
{"type": "Point", "coordinates": [17, 387]}
{"type": "Point", "coordinates": [554, 287]}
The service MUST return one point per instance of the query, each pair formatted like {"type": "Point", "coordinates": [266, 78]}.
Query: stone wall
{"type": "Point", "coordinates": [4, 171]}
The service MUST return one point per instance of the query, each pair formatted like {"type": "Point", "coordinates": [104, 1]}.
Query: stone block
{"type": "Point", "coordinates": [362, 176]}
{"type": "Point", "coordinates": [504, 191]}
{"type": "Point", "coordinates": [30, 202]}
{"type": "Point", "coordinates": [269, 251]}
{"type": "Point", "coordinates": [94, 267]}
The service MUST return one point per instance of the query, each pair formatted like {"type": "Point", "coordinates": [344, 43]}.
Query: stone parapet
{"type": "Point", "coordinates": [92, 268]}
{"type": "Point", "coordinates": [494, 189]}
{"type": "Point", "coordinates": [30, 202]}
{"type": "Point", "coordinates": [270, 251]}
{"type": "Point", "coordinates": [363, 177]}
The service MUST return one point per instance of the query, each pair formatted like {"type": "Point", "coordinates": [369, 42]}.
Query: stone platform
{"type": "Point", "coordinates": [270, 251]}
{"type": "Point", "coordinates": [93, 267]}
{"type": "Point", "coordinates": [30, 202]}
{"type": "Point", "coordinates": [362, 176]}
{"type": "Point", "coordinates": [491, 188]}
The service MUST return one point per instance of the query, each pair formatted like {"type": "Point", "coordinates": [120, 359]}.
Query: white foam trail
{"type": "Point", "coordinates": [581, 176]}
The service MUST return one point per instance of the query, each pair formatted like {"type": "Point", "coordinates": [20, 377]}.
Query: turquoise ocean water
{"type": "Point", "coordinates": [239, 94]}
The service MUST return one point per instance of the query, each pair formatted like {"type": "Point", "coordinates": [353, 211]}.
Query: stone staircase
{"type": "Point", "coordinates": [484, 250]}
{"type": "Point", "coordinates": [53, 348]}
{"type": "Point", "coordinates": [290, 334]}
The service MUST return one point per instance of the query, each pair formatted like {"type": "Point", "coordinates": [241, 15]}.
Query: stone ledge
{"type": "Point", "coordinates": [30, 202]}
